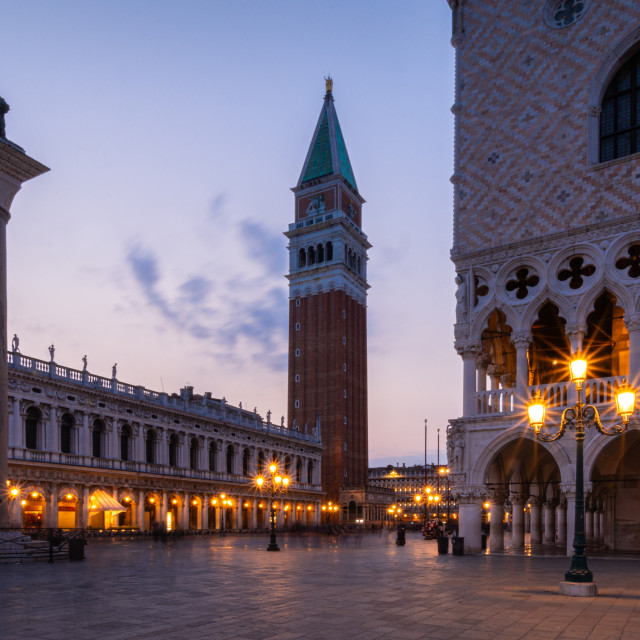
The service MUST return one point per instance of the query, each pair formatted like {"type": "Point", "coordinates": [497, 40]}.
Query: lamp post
{"type": "Point", "coordinates": [273, 484]}
{"type": "Point", "coordinates": [579, 580]}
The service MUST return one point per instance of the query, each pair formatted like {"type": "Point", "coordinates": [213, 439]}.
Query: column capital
{"type": "Point", "coordinates": [518, 499]}
{"type": "Point", "coordinates": [632, 321]}
{"type": "Point", "coordinates": [574, 330]}
{"type": "Point", "coordinates": [521, 340]}
{"type": "Point", "coordinates": [468, 348]}
{"type": "Point", "coordinates": [496, 496]}
{"type": "Point", "coordinates": [470, 495]}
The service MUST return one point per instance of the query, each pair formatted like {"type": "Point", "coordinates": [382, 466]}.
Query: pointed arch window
{"type": "Point", "coordinates": [245, 462]}
{"type": "Point", "coordinates": [620, 113]}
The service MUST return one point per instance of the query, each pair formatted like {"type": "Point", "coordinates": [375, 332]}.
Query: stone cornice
{"type": "Point", "coordinates": [17, 164]}
{"type": "Point", "coordinates": [548, 243]}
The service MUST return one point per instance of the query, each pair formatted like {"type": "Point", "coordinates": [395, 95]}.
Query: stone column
{"type": "Point", "coordinates": [517, 520]}
{"type": "Point", "coordinates": [603, 521]}
{"type": "Point", "coordinates": [254, 513]}
{"type": "Point", "coordinates": [496, 522]}
{"type": "Point", "coordinates": [632, 322]}
{"type": "Point", "coordinates": [561, 522]}
{"type": "Point", "coordinates": [203, 513]}
{"type": "Point", "coordinates": [549, 535]}
{"type": "Point", "coordinates": [536, 528]}
{"type": "Point", "coordinates": [569, 491]}
{"type": "Point", "coordinates": [481, 372]}
{"type": "Point", "coordinates": [16, 167]}
{"type": "Point", "coordinates": [521, 341]}
{"type": "Point", "coordinates": [114, 441]}
{"type": "Point", "coordinates": [140, 511]}
{"type": "Point", "coordinates": [15, 435]}
{"type": "Point", "coordinates": [52, 508]}
{"type": "Point", "coordinates": [469, 351]}
{"type": "Point", "coordinates": [588, 523]}
{"type": "Point", "coordinates": [238, 513]}
{"type": "Point", "coordinates": [470, 518]}
{"type": "Point", "coordinates": [85, 439]}
{"type": "Point", "coordinates": [52, 432]}
{"type": "Point", "coordinates": [596, 524]}
{"type": "Point", "coordinates": [82, 509]}
{"type": "Point", "coordinates": [184, 511]}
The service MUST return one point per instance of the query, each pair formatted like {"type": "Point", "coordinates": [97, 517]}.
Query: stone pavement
{"type": "Point", "coordinates": [315, 588]}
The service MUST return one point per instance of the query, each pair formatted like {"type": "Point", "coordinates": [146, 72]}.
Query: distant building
{"type": "Point", "coordinates": [87, 451]}
{"type": "Point", "coordinates": [546, 249]}
{"type": "Point", "coordinates": [407, 483]}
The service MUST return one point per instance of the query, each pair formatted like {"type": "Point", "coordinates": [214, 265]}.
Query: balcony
{"type": "Point", "coordinates": [502, 402]}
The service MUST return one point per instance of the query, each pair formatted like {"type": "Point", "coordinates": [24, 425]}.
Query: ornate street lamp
{"type": "Point", "coordinates": [576, 418]}
{"type": "Point", "coordinates": [273, 484]}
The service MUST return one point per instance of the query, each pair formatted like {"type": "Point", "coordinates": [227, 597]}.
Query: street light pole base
{"type": "Point", "coordinates": [273, 547]}
{"type": "Point", "coordinates": [578, 589]}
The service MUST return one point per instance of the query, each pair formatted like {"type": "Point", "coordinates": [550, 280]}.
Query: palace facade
{"type": "Point", "coordinates": [87, 451]}
{"type": "Point", "coordinates": [546, 249]}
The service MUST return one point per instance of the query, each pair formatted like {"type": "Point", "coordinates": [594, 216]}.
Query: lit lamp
{"type": "Point", "coordinates": [274, 484]}
{"type": "Point", "coordinates": [577, 418]}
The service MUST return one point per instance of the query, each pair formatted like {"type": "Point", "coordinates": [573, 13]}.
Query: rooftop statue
{"type": "Point", "coordinates": [328, 83]}
{"type": "Point", "coordinates": [4, 109]}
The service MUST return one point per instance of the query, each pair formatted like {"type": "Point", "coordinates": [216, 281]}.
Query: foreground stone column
{"type": "Point", "coordinates": [496, 522]}
{"type": "Point", "coordinates": [16, 167]}
{"type": "Point", "coordinates": [517, 521]}
{"type": "Point", "coordinates": [561, 523]}
{"type": "Point", "coordinates": [536, 528]}
{"type": "Point", "coordinates": [470, 527]}
{"type": "Point", "coordinates": [549, 523]}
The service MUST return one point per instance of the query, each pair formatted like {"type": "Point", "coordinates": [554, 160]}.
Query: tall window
{"type": "Point", "coordinates": [213, 452]}
{"type": "Point", "coordinates": [245, 462]}
{"type": "Point", "coordinates": [620, 115]}
{"type": "Point", "coordinates": [125, 438]}
{"type": "Point", "coordinates": [97, 439]}
{"type": "Point", "coordinates": [260, 463]}
{"type": "Point", "coordinates": [230, 456]}
{"type": "Point", "coordinates": [150, 447]}
{"type": "Point", "coordinates": [66, 432]}
{"type": "Point", "coordinates": [31, 427]}
{"type": "Point", "coordinates": [173, 450]}
{"type": "Point", "coordinates": [193, 453]}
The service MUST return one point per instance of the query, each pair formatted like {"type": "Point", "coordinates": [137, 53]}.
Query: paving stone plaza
{"type": "Point", "coordinates": [317, 587]}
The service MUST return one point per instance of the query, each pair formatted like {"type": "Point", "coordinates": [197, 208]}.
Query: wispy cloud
{"type": "Point", "coordinates": [243, 314]}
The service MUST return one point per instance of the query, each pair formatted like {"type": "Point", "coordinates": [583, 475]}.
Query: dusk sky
{"type": "Point", "coordinates": [174, 132]}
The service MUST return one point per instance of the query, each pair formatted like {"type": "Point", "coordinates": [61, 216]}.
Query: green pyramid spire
{"type": "Point", "coordinates": [327, 155]}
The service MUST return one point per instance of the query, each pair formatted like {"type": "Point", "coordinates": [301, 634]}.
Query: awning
{"type": "Point", "coordinates": [102, 501]}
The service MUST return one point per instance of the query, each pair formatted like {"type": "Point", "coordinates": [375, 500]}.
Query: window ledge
{"type": "Point", "coordinates": [610, 163]}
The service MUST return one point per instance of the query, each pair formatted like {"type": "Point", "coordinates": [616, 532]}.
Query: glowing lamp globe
{"type": "Point", "coordinates": [578, 371]}
{"type": "Point", "coordinates": [536, 411]}
{"type": "Point", "coordinates": [625, 402]}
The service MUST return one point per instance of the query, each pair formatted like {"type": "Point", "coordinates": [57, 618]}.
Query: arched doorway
{"type": "Point", "coordinates": [33, 510]}
{"type": "Point", "coordinates": [524, 496]}
{"type": "Point", "coordinates": [67, 510]}
{"type": "Point", "coordinates": [173, 513]}
{"type": "Point", "coordinates": [151, 510]}
{"type": "Point", "coordinates": [616, 493]}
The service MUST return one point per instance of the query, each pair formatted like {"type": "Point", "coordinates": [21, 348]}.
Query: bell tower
{"type": "Point", "coordinates": [327, 308]}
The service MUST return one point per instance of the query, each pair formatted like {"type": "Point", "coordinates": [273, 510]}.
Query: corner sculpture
{"type": "Point", "coordinates": [4, 109]}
